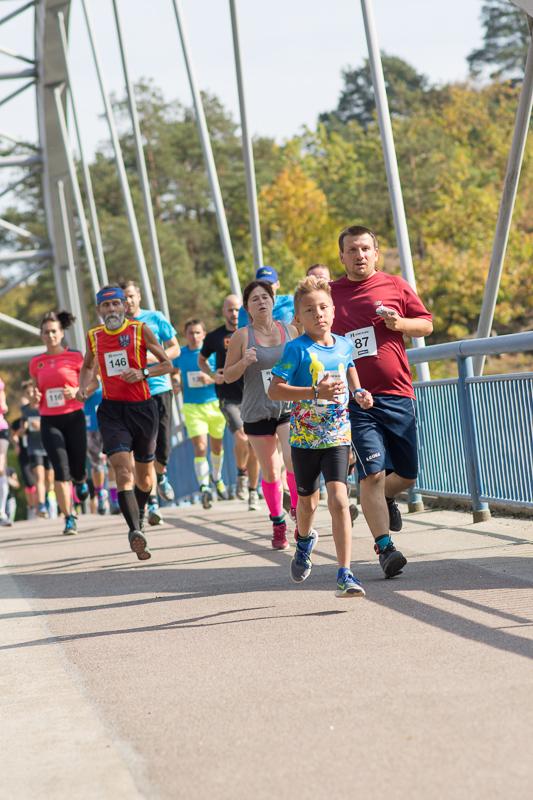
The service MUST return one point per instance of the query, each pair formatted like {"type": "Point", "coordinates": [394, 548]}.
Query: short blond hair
{"type": "Point", "coordinates": [308, 285]}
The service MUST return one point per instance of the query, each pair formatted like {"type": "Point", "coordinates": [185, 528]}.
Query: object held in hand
{"type": "Point", "coordinates": [384, 311]}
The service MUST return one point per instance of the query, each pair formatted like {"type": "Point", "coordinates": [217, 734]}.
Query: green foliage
{"type": "Point", "coordinates": [406, 91]}
{"type": "Point", "coordinates": [505, 40]}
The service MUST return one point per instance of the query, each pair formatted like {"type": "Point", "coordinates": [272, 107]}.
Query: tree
{"type": "Point", "coordinates": [297, 227]}
{"type": "Point", "coordinates": [505, 41]}
{"type": "Point", "coordinates": [406, 90]}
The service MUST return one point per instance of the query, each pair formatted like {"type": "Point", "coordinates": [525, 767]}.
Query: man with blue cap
{"type": "Point", "coordinates": [283, 309]}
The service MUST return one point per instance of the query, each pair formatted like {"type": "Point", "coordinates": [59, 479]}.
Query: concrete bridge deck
{"type": "Point", "coordinates": [206, 673]}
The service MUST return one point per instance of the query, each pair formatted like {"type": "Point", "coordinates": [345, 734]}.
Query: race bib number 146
{"type": "Point", "coordinates": [116, 362]}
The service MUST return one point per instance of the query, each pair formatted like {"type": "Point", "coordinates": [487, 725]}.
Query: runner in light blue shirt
{"type": "Point", "coordinates": [161, 390]}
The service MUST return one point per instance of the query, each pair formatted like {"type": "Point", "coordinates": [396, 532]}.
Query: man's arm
{"type": "Point", "coordinates": [205, 366]}
{"type": "Point", "coordinates": [414, 327]}
{"type": "Point", "coordinates": [172, 349]}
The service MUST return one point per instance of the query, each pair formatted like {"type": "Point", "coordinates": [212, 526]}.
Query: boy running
{"type": "Point", "coordinates": [316, 372]}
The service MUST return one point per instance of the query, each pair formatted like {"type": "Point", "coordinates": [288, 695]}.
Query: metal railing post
{"type": "Point", "coordinates": [142, 171]}
{"type": "Point", "coordinates": [121, 169]}
{"type": "Point", "coordinates": [209, 159]}
{"type": "Point", "coordinates": [247, 149]}
{"type": "Point", "coordinates": [83, 161]}
{"type": "Point", "coordinates": [391, 163]}
{"type": "Point", "coordinates": [465, 370]}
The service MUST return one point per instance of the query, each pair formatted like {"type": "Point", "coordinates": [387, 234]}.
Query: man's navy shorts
{"type": "Point", "coordinates": [384, 436]}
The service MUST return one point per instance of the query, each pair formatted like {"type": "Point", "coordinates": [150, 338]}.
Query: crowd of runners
{"type": "Point", "coordinates": [308, 384]}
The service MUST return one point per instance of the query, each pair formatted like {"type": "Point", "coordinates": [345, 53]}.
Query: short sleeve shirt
{"type": "Point", "coordinates": [322, 423]}
{"type": "Point", "coordinates": [380, 357]}
{"type": "Point", "coordinates": [163, 330]}
{"type": "Point", "coordinates": [216, 342]}
{"type": "Point", "coordinates": [194, 391]}
{"type": "Point", "coordinates": [51, 374]}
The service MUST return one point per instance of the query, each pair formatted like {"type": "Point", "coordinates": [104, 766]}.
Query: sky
{"type": "Point", "coordinates": [293, 53]}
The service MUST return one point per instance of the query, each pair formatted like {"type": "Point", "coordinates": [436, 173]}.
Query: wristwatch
{"type": "Point", "coordinates": [358, 391]}
{"type": "Point", "coordinates": [315, 392]}
{"type": "Point", "coordinates": [145, 372]}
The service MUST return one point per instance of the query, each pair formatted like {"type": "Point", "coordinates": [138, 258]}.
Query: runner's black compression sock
{"type": "Point", "coordinates": [142, 497]}
{"type": "Point", "coordinates": [130, 509]}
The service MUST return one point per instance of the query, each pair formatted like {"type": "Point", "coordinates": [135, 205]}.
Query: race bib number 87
{"type": "Point", "coordinates": [116, 362]}
{"type": "Point", "coordinates": [364, 342]}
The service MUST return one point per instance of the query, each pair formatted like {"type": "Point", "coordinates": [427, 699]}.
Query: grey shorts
{"type": "Point", "coordinates": [95, 449]}
{"type": "Point", "coordinates": [232, 415]}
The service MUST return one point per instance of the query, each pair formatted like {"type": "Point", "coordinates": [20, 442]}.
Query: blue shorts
{"type": "Point", "coordinates": [384, 436]}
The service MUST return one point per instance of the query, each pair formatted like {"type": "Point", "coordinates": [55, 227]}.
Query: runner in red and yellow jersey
{"type": "Point", "coordinates": [127, 415]}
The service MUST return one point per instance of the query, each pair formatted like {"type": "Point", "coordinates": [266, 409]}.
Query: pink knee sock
{"type": "Point", "coordinates": [291, 483]}
{"type": "Point", "coordinates": [272, 494]}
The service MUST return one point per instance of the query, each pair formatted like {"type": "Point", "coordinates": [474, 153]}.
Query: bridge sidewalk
{"type": "Point", "coordinates": [206, 673]}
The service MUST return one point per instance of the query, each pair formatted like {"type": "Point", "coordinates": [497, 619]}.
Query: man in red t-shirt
{"type": "Point", "coordinates": [127, 416]}
{"type": "Point", "coordinates": [376, 310]}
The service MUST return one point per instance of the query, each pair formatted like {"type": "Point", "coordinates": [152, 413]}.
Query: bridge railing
{"type": "Point", "coordinates": [476, 433]}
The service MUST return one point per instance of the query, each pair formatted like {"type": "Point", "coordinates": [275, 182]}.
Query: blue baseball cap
{"type": "Point", "coordinates": [267, 274]}
{"type": "Point", "coordinates": [110, 293]}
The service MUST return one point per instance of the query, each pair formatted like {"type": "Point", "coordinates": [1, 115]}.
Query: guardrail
{"type": "Point", "coordinates": [476, 433]}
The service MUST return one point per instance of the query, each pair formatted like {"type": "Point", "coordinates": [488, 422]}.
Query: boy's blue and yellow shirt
{"type": "Point", "coordinates": [322, 423]}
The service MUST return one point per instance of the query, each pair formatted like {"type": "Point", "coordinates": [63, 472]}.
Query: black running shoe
{"type": "Point", "coordinates": [391, 560]}
{"type": "Point", "coordinates": [354, 512]}
{"type": "Point", "coordinates": [139, 545]}
{"type": "Point", "coordinates": [395, 518]}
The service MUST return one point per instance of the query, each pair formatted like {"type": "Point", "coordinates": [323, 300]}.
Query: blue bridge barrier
{"type": "Point", "coordinates": [476, 433]}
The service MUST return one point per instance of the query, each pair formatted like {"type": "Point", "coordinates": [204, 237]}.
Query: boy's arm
{"type": "Point", "coordinates": [361, 396]}
{"type": "Point", "coordinates": [327, 389]}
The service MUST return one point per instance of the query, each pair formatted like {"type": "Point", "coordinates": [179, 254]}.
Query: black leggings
{"type": "Point", "coordinates": [64, 438]}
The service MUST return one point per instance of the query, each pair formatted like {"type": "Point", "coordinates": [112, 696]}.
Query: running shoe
{"type": "Point", "coordinates": [207, 496]}
{"type": "Point", "coordinates": [253, 500]}
{"type": "Point", "coordinates": [349, 586]}
{"type": "Point", "coordinates": [139, 545]}
{"type": "Point", "coordinates": [222, 492]}
{"type": "Point", "coordinates": [279, 536]}
{"type": "Point", "coordinates": [395, 517]}
{"type": "Point", "coordinates": [101, 507]}
{"type": "Point", "coordinates": [155, 516]}
{"type": "Point", "coordinates": [164, 487]}
{"type": "Point", "coordinates": [71, 525]}
{"type": "Point", "coordinates": [354, 512]}
{"type": "Point", "coordinates": [42, 511]}
{"type": "Point", "coordinates": [114, 508]}
{"type": "Point", "coordinates": [391, 560]}
{"type": "Point", "coordinates": [242, 486]}
{"type": "Point", "coordinates": [5, 522]}
{"type": "Point", "coordinates": [301, 563]}
{"type": "Point", "coordinates": [82, 491]}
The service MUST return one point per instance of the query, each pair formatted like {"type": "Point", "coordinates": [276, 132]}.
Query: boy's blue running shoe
{"type": "Point", "coordinates": [349, 586]}
{"type": "Point", "coordinates": [71, 526]}
{"type": "Point", "coordinates": [301, 563]}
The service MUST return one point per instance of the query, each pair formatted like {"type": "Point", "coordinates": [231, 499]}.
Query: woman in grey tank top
{"type": "Point", "coordinates": [252, 352]}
